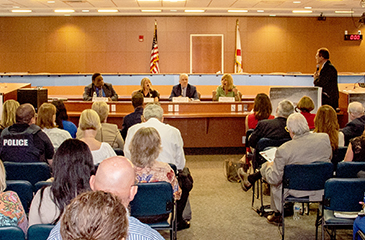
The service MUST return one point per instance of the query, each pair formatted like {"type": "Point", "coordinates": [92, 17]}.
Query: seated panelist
{"type": "Point", "coordinates": [102, 89]}
{"type": "Point", "coordinates": [227, 89]}
{"type": "Point", "coordinates": [184, 89]}
{"type": "Point", "coordinates": [147, 90]}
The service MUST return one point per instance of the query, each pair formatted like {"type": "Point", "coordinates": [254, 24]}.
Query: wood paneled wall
{"type": "Point", "coordinates": [111, 44]}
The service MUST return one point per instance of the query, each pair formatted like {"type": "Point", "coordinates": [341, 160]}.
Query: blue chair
{"type": "Point", "coordinates": [349, 169]}
{"type": "Point", "coordinates": [39, 231]}
{"type": "Point", "coordinates": [305, 177]}
{"type": "Point", "coordinates": [341, 194]}
{"type": "Point", "coordinates": [11, 232]}
{"type": "Point", "coordinates": [32, 172]}
{"type": "Point", "coordinates": [24, 190]}
{"type": "Point", "coordinates": [153, 200]}
{"type": "Point", "coordinates": [119, 151]}
{"type": "Point", "coordinates": [41, 184]}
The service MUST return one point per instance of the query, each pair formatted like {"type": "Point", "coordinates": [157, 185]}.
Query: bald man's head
{"type": "Point", "coordinates": [355, 110]}
{"type": "Point", "coordinates": [116, 175]}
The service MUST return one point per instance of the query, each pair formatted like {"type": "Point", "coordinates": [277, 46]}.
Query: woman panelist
{"type": "Point", "coordinates": [147, 90]}
{"type": "Point", "coordinates": [227, 89]}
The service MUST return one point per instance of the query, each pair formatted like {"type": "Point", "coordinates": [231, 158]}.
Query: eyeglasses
{"type": "Point", "coordinates": [286, 129]}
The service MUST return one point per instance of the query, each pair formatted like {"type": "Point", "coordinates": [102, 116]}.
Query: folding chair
{"type": "Point", "coordinates": [305, 177]}
{"type": "Point", "coordinates": [11, 232]}
{"type": "Point", "coordinates": [39, 231]}
{"type": "Point", "coordinates": [156, 199]}
{"type": "Point", "coordinates": [343, 195]}
{"type": "Point", "coordinates": [24, 190]}
{"type": "Point", "coordinates": [349, 169]}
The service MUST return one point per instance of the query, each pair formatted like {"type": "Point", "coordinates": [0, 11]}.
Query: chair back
{"type": "Point", "coordinates": [344, 194]}
{"type": "Point", "coordinates": [32, 172]}
{"type": "Point", "coordinates": [11, 232]}
{"type": "Point", "coordinates": [338, 156]}
{"type": "Point", "coordinates": [39, 231]}
{"type": "Point", "coordinates": [153, 199]}
{"type": "Point", "coordinates": [41, 184]}
{"type": "Point", "coordinates": [349, 169]}
{"type": "Point", "coordinates": [307, 177]}
{"type": "Point", "coordinates": [118, 151]}
{"type": "Point", "coordinates": [24, 190]}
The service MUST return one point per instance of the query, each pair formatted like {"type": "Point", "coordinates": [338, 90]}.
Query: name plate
{"type": "Point", "coordinates": [180, 99]}
{"type": "Point", "coordinates": [100, 99]}
{"type": "Point", "coordinates": [226, 99]}
{"type": "Point", "coordinates": [148, 100]}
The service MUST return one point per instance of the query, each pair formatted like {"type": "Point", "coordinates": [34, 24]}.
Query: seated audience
{"type": "Point", "coordinates": [90, 124]}
{"type": "Point", "coordinates": [304, 148]}
{"type": "Point", "coordinates": [184, 89]}
{"type": "Point", "coordinates": [356, 149]}
{"type": "Point", "coordinates": [95, 216]}
{"type": "Point", "coordinates": [11, 209]}
{"type": "Point", "coordinates": [134, 117]}
{"type": "Point", "coordinates": [62, 118]}
{"type": "Point", "coordinates": [306, 105]}
{"type": "Point", "coordinates": [355, 127]}
{"type": "Point", "coordinates": [117, 176]}
{"type": "Point", "coordinates": [102, 89]}
{"type": "Point", "coordinates": [8, 117]}
{"type": "Point", "coordinates": [147, 90]}
{"type": "Point", "coordinates": [108, 132]}
{"type": "Point", "coordinates": [262, 109]}
{"type": "Point", "coordinates": [326, 122]}
{"type": "Point", "coordinates": [24, 141]}
{"type": "Point", "coordinates": [273, 128]}
{"type": "Point", "coordinates": [46, 120]}
{"type": "Point", "coordinates": [72, 167]}
{"type": "Point", "coordinates": [227, 89]}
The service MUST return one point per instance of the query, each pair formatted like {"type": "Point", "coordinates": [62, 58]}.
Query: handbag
{"type": "Point", "coordinates": [230, 169]}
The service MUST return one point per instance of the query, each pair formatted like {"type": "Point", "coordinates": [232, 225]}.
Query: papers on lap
{"type": "Point", "coordinates": [269, 154]}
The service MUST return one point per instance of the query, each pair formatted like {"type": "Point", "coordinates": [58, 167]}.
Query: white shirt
{"type": "Point", "coordinates": [105, 151]}
{"type": "Point", "coordinates": [57, 136]}
{"type": "Point", "coordinates": [171, 142]}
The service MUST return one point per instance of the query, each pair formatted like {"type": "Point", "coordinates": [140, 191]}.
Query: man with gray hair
{"type": "Point", "coordinates": [273, 128]}
{"type": "Point", "coordinates": [184, 89]}
{"type": "Point", "coordinates": [356, 127]}
{"type": "Point", "coordinates": [304, 148]}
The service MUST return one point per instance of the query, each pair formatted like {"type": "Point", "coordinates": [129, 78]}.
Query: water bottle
{"type": "Point", "coordinates": [94, 96]}
{"type": "Point", "coordinates": [296, 208]}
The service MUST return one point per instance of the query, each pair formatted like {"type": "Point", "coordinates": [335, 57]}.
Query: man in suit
{"type": "Point", "coordinates": [184, 89]}
{"type": "Point", "coordinates": [326, 78]}
{"type": "Point", "coordinates": [304, 148]}
{"type": "Point", "coordinates": [355, 127]}
{"type": "Point", "coordinates": [273, 128]}
{"type": "Point", "coordinates": [102, 89]}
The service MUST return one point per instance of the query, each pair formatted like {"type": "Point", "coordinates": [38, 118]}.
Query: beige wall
{"type": "Point", "coordinates": [110, 44]}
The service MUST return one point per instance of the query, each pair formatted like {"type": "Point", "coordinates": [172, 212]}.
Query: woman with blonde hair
{"type": "Point", "coordinates": [147, 90]}
{"type": "Point", "coordinates": [306, 105]}
{"type": "Point", "coordinates": [227, 89]}
{"type": "Point", "coordinates": [9, 113]}
{"type": "Point", "coordinates": [11, 209]}
{"type": "Point", "coordinates": [326, 122]}
{"type": "Point", "coordinates": [47, 121]}
{"type": "Point", "coordinates": [89, 123]}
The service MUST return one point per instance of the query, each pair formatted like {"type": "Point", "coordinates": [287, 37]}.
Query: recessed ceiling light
{"type": "Point", "coordinates": [21, 11]}
{"type": "Point", "coordinates": [85, 10]}
{"type": "Point", "coordinates": [107, 10]}
{"type": "Point", "coordinates": [64, 11]}
{"type": "Point", "coordinates": [51, 1]}
{"type": "Point", "coordinates": [151, 10]}
{"type": "Point", "coordinates": [238, 11]}
{"type": "Point", "coordinates": [194, 11]}
{"type": "Point", "coordinates": [260, 11]}
{"type": "Point", "coordinates": [272, 15]}
{"type": "Point", "coordinates": [302, 11]}
{"type": "Point", "coordinates": [344, 12]}
{"type": "Point", "coordinates": [297, 2]}
{"type": "Point", "coordinates": [307, 7]}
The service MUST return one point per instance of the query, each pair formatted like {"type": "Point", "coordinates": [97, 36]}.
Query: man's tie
{"type": "Point", "coordinates": [100, 92]}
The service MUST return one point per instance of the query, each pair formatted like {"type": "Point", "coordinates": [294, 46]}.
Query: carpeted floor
{"type": "Point", "coordinates": [221, 210]}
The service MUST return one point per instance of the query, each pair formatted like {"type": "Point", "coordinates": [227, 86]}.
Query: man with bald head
{"type": "Point", "coordinates": [356, 127]}
{"type": "Point", "coordinates": [24, 141]}
{"type": "Point", "coordinates": [116, 175]}
{"type": "Point", "coordinates": [184, 89]}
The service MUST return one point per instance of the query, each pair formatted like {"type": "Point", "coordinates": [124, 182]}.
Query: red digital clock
{"type": "Point", "coordinates": [353, 37]}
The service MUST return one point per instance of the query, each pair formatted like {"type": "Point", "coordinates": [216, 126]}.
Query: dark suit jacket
{"type": "Point", "coordinates": [190, 92]}
{"type": "Point", "coordinates": [269, 128]}
{"type": "Point", "coordinates": [107, 88]}
{"type": "Point", "coordinates": [130, 120]}
{"type": "Point", "coordinates": [353, 129]}
{"type": "Point", "coordinates": [327, 79]}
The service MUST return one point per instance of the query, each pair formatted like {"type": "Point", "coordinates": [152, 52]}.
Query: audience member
{"type": "Point", "coordinates": [326, 122]}
{"type": "Point", "coordinates": [117, 176]}
{"type": "Point", "coordinates": [262, 109]}
{"type": "Point", "coordinates": [227, 89]}
{"type": "Point", "coordinates": [356, 149]}
{"type": "Point", "coordinates": [305, 147]}
{"type": "Point", "coordinates": [62, 118]}
{"type": "Point", "coordinates": [24, 141]}
{"type": "Point", "coordinates": [90, 124]}
{"type": "Point", "coordinates": [108, 132]}
{"type": "Point", "coordinates": [134, 117]}
{"type": "Point", "coordinates": [72, 167]}
{"type": "Point", "coordinates": [11, 209]}
{"type": "Point", "coordinates": [326, 77]}
{"type": "Point", "coordinates": [306, 105]}
{"type": "Point", "coordinates": [273, 128]}
{"type": "Point", "coordinates": [184, 89]}
{"type": "Point", "coordinates": [147, 90]}
{"type": "Point", "coordinates": [95, 216]}
{"type": "Point", "coordinates": [102, 89]}
{"type": "Point", "coordinates": [46, 120]}
{"type": "Point", "coordinates": [8, 117]}
{"type": "Point", "coordinates": [355, 127]}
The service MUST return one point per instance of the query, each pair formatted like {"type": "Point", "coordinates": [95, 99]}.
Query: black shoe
{"type": "Point", "coordinates": [183, 225]}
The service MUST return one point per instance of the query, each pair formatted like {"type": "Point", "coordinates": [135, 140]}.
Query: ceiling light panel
{"type": "Point", "coordinates": [21, 11]}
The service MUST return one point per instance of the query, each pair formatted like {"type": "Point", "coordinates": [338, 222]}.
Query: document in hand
{"type": "Point", "coordinates": [269, 154]}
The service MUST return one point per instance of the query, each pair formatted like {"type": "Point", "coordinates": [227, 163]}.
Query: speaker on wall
{"type": "Point", "coordinates": [34, 96]}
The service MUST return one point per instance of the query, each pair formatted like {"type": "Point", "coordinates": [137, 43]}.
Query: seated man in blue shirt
{"type": "Point", "coordinates": [134, 117]}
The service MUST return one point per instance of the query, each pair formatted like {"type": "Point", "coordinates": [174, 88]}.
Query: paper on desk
{"type": "Point", "coordinates": [269, 154]}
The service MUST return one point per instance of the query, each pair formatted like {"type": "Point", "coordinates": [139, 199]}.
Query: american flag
{"type": "Point", "coordinates": [238, 52]}
{"type": "Point", "coordinates": [154, 62]}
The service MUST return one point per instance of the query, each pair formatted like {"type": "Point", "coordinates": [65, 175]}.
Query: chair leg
{"type": "Point", "coordinates": [282, 220]}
